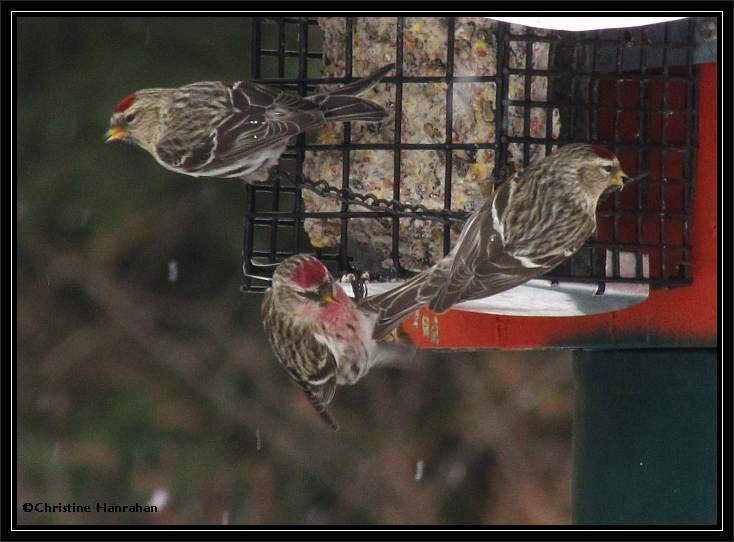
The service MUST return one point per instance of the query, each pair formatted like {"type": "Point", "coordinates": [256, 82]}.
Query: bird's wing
{"type": "Point", "coordinates": [454, 278]}
{"type": "Point", "coordinates": [321, 367]}
{"type": "Point", "coordinates": [309, 362]}
{"type": "Point", "coordinates": [224, 124]}
{"type": "Point", "coordinates": [482, 265]}
{"type": "Point", "coordinates": [320, 384]}
{"type": "Point", "coordinates": [440, 287]}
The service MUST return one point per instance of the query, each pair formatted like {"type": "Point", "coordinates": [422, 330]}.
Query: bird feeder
{"type": "Point", "coordinates": [638, 302]}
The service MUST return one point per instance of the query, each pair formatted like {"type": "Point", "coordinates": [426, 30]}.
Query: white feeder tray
{"type": "Point", "coordinates": [541, 297]}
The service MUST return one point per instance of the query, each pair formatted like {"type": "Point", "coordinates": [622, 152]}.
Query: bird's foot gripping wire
{"type": "Point", "coordinates": [359, 284]}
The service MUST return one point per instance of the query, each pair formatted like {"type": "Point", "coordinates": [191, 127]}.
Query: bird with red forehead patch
{"type": "Point", "coordinates": [126, 102]}
{"type": "Point", "coordinates": [533, 222]}
{"type": "Point", "coordinates": [318, 333]}
{"type": "Point", "coordinates": [602, 152]}
{"type": "Point", "coordinates": [233, 130]}
{"type": "Point", "coordinates": [311, 272]}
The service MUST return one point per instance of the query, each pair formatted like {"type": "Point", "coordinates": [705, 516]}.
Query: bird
{"type": "Point", "coordinates": [533, 221]}
{"type": "Point", "coordinates": [232, 129]}
{"type": "Point", "coordinates": [318, 333]}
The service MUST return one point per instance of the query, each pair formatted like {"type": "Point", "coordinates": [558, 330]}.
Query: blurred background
{"type": "Point", "coordinates": [143, 372]}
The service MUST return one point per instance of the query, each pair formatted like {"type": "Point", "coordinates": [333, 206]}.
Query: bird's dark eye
{"type": "Point", "coordinates": [308, 294]}
{"type": "Point", "coordinates": [608, 169]}
{"type": "Point", "coordinates": [130, 117]}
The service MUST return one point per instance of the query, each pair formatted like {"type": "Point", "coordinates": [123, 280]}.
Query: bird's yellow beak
{"type": "Point", "coordinates": [328, 292]}
{"type": "Point", "coordinates": [115, 134]}
{"type": "Point", "coordinates": [619, 178]}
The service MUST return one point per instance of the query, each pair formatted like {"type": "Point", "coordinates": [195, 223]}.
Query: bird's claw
{"type": "Point", "coordinates": [359, 284]}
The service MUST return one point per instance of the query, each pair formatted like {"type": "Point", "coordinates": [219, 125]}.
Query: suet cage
{"type": "Point", "coordinates": [632, 90]}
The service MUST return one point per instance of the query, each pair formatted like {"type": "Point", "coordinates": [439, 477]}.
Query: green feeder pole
{"type": "Point", "coordinates": [645, 437]}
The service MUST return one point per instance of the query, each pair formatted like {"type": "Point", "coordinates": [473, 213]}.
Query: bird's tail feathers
{"type": "Point", "coordinates": [343, 104]}
{"type": "Point", "coordinates": [356, 87]}
{"type": "Point", "coordinates": [349, 108]}
{"type": "Point", "coordinates": [394, 306]}
{"type": "Point", "coordinates": [321, 409]}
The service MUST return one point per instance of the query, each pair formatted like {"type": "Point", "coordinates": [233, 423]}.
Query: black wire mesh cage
{"type": "Point", "coordinates": [474, 100]}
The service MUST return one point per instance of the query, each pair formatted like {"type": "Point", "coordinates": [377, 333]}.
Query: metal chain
{"type": "Point", "coordinates": [370, 201]}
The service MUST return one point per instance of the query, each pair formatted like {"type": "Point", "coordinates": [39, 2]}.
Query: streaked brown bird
{"type": "Point", "coordinates": [533, 222]}
{"type": "Point", "coordinates": [319, 334]}
{"type": "Point", "coordinates": [232, 130]}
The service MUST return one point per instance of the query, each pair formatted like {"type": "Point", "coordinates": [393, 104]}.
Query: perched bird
{"type": "Point", "coordinates": [319, 334]}
{"type": "Point", "coordinates": [232, 130]}
{"type": "Point", "coordinates": [533, 222]}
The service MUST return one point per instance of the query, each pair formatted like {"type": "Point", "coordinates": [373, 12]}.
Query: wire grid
{"type": "Point", "coordinates": [631, 90]}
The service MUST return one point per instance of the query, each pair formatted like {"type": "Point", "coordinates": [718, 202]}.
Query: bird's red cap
{"type": "Point", "coordinates": [126, 102]}
{"type": "Point", "coordinates": [309, 274]}
{"type": "Point", "coordinates": [602, 152]}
